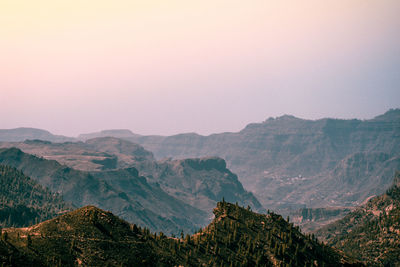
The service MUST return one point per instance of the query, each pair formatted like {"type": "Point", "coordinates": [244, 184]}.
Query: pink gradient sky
{"type": "Point", "coordinates": [165, 67]}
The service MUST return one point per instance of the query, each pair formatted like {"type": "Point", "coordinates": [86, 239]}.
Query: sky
{"type": "Point", "coordinates": [168, 67]}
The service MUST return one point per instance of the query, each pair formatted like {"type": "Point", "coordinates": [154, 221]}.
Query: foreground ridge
{"type": "Point", "coordinates": [237, 236]}
{"type": "Point", "coordinates": [371, 232]}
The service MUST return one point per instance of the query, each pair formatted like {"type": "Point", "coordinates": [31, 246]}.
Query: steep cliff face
{"type": "Point", "coordinates": [201, 182]}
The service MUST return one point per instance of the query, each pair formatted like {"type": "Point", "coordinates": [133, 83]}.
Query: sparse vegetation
{"type": "Point", "coordinates": [371, 233]}
{"type": "Point", "coordinates": [236, 237]}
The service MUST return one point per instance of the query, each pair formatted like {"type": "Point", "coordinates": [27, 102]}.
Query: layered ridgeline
{"type": "Point", "coordinates": [236, 237]}
{"type": "Point", "coordinates": [281, 160]}
{"type": "Point", "coordinates": [284, 160]}
{"type": "Point", "coordinates": [23, 202]}
{"type": "Point", "coordinates": [134, 200]}
{"type": "Point", "coordinates": [198, 182]}
{"type": "Point", "coordinates": [175, 195]}
{"type": "Point", "coordinates": [372, 232]}
{"type": "Point", "coordinates": [93, 155]}
{"type": "Point", "coordinates": [201, 182]}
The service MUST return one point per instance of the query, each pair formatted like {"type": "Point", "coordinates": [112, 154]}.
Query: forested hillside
{"type": "Point", "coordinates": [372, 232]}
{"type": "Point", "coordinates": [237, 237]}
{"type": "Point", "coordinates": [24, 202]}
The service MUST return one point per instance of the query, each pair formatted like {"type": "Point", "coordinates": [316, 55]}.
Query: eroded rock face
{"type": "Point", "coordinates": [207, 163]}
{"type": "Point", "coordinates": [125, 178]}
{"type": "Point", "coordinates": [284, 159]}
{"type": "Point", "coordinates": [201, 182]}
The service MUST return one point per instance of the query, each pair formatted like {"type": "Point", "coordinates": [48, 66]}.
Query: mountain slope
{"type": "Point", "coordinates": [283, 156]}
{"type": "Point", "coordinates": [126, 152]}
{"type": "Point", "coordinates": [154, 198]}
{"type": "Point", "coordinates": [88, 236]}
{"type": "Point", "coordinates": [197, 182]}
{"type": "Point", "coordinates": [200, 182]}
{"type": "Point", "coordinates": [237, 237]}
{"type": "Point", "coordinates": [289, 157]}
{"type": "Point", "coordinates": [83, 188]}
{"type": "Point", "coordinates": [23, 202]}
{"type": "Point", "coordinates": [372, 232]}
{"type": "Point", "coordinates": [97, 154]}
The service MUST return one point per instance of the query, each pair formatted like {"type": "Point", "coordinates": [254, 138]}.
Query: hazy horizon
{"type": "Point", "coordinates": [206, 134]}
{"type": "Point", "coordinates": [157, 67]}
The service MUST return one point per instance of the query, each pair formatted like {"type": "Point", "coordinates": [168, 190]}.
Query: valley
{"type": "Point", "coordinates": [332, 178]}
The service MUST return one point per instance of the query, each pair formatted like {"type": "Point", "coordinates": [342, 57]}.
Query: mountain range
{"type": "Point", "coordinates": [286, 162]}
{"type": "Point", "coordinates": [25, 133]}
{"type": "Point", "coordinates": [331, 173]}
{"type": "Point", "coordinates": [155, 201]}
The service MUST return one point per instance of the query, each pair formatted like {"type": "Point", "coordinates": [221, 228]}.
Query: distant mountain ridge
{"type": "Point", "coordinates": [24, 133]}
{"type": "Point", "coordinates": [282, 160]}
{"type": "Point", "coordinates": [199, 182]}
{"type": "Point", "coordinates": [118, 133]}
